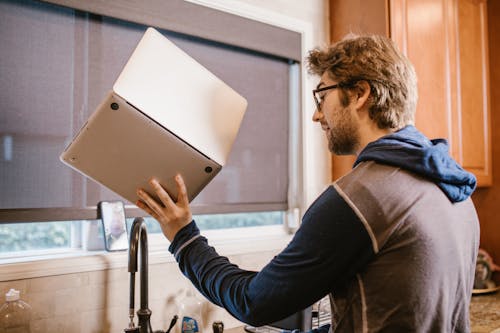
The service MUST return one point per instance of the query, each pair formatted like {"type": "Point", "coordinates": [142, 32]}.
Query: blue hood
{"type": "Point", "coordinates": [411, 150]}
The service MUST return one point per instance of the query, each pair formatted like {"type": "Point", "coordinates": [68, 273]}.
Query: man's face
{"type": "Point", "coordinates": [338, 121]}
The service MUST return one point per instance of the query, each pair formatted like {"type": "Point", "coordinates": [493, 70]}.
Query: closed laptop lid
{"type": "Point", "coordinates": [177, 92]}
{"type": "Point", "coordinates": [122, 148]}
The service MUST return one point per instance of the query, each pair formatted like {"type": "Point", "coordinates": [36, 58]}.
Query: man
{"type": "Point", "coordinates": [394, 242]}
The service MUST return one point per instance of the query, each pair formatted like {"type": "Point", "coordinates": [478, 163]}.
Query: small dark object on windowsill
{"type": "Point", "coordinates": [218, 327]}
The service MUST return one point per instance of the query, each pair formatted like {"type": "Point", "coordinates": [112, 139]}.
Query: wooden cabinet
{"type": "Point", "coordinates": [446, 40]}
{"type": "Point", "coordinates": [474, 111]}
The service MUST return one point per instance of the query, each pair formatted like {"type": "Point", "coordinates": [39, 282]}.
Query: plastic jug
{"type": "Point", "coordinates": [190, 314]}
{"type": "Point", "coordinates": [15, 314]}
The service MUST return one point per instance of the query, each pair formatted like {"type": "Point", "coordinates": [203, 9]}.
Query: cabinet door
{"type": "Point", "coordinates": [474, 110]}
{"type": "Point", "coordinates": [422, 30]}
{"type": "Point", "coordinates": [446, 40]}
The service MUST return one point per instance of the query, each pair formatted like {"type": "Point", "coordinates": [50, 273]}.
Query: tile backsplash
{"type": "Point", "coordinates": [97, 301]}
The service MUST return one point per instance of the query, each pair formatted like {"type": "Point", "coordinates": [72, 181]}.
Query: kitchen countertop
{"type": "Point", "coordinates": [484, 314]}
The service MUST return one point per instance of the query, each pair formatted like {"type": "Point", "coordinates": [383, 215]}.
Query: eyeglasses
{"type": "Point", "coordinates": [318, 98]}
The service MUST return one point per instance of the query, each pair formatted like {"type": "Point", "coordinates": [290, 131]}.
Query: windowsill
{"type": "Point", "coordinates": [227, 242]}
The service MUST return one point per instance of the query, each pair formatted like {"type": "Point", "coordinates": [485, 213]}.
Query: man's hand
{"type": "Point", "coordinates": [173, 216]}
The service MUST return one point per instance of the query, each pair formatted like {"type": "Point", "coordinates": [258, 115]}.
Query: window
{"type": "Point", "coordinates": [56, 64]}
{"type": "Point", "coordinates": [34, 238]}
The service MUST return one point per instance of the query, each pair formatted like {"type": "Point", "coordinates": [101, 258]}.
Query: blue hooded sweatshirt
{"type": "Point", "coordinates": [411, 150]}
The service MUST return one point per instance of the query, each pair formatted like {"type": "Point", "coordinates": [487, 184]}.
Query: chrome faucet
{"type": "Point", "coordinates": [139, 235]}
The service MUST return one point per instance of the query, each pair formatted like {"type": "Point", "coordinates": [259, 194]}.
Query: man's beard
{"type": "Point", "coordinates": [343, 137]}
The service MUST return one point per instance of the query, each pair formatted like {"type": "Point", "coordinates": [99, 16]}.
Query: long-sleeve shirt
{"type": "Point", "coordinates": [388, 245]}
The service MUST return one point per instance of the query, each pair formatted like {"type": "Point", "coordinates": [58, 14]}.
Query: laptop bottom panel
{"type": "Point", "coordinates": [121, 148]}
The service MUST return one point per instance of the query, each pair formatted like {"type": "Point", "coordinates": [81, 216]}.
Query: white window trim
{"type": "Point", "coordinates": [243, 241]}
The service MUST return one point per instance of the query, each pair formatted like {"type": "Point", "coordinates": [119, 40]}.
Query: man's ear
{"type": "Point", "coordinates": [361, 94]}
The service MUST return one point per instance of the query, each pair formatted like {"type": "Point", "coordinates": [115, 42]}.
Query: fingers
{"type": "Point", "coordinates": [162, 194]}
{"type": "Point", "coordinates": [172, 216]}
{"type": "Point", "coordinates": [182, 197]}
{"type": "Point", "coordinates": [149, 202]}
{"type": "Point", "coordinates": [165, 206]}
{"type": "Point", "coordinates": [145, 207]}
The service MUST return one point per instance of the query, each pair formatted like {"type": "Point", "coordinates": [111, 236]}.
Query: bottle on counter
{"type": "Point", "coordinates": [15, 314]}
{"type": "Point", "coordinates": [190, 313]}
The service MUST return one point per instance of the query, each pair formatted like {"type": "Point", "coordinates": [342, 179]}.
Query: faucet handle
{"type": "Point", "coordinates": [132, 329]}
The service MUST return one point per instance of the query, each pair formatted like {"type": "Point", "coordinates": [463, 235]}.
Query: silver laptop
{"type": "Point", "coordinates": [152, 124]}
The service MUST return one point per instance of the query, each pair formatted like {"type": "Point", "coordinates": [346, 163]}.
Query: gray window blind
{"type": "Point", "coordinates": [56, 64]}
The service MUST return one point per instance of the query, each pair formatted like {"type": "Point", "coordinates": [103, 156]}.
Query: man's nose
{"type": "Point", "coordinates": [317, 115]}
